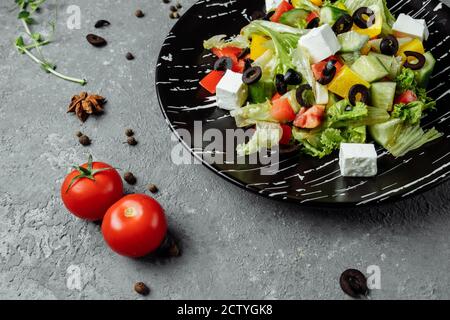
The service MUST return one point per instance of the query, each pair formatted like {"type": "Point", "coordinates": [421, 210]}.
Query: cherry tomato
{"type": "Point", "coordinates": [312, 16]}
{"type": "Point", "coordinates": [282, 110]}
{"type": "Point", "coordinates": [287, 134]}
{"type": "Point", "coordinates": [210, 81]}
{"type": "Point", "coordinates": [318, 68]}
{"type": "Point", "coordinates": [276, 97]}
{"type": "Point", "coordinates": [310, 118]}
{"type": "Point", "coordinates": [284, 7]}
{"type": "Point", "coordinates": [90, 189]}
{"type": "Point", "coordinates": [134, 226]}
{"type": "Point", "coordinates": [406, 97]}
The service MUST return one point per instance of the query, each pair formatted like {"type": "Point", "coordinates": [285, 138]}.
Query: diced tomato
{"type": "Point", "coordinates": [284, 7]}
{"type": "Point", "coordinates": [320, 66]}
{"type": "Point", "coordinates": [310, 118]}
{"type": "Point", "coordinates": [231, 52]}
{"type": "Point", "coordinates": [282, 110]}
{"type": "Point", "coordinates": [276, 97]}
{"type": "Point", "coordinates": [210, 81]}
{"type": "Point", "coordinates": [406, 97]}
{"type": "Point", "coordinates": [287, 134]}
{"type": "Point", "coordinates": [312, 16]}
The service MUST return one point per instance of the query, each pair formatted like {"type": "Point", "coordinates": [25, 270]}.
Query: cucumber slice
{"type": "Point", "coordinates": [295, 18]}
{"type": "Point", "coordinates": [390, 63]}
{"type": "Point", "coordinates": [369, 68]}
{"type": "Point", "coordinates": [261, 91]}
{"type": "Point", "coordinates": [385, 133]}
{"type": "Point", "coordinates": [423, 75]}
{"type": "Point", "coordinates": [383, 94]}
{"type": "Point", "coordinates": [330, 15]}
{"type": "Point", "coordinates": [350, 58]}
{"type": "Point", "coordinates": [352, 41]}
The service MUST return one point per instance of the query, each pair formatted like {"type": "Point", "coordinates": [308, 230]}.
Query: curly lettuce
{"type": "Point", "coordinates": [406, 80]}
{"type": "Point", "coordinates": [343, 114]}
{"type": "Point", "coordinates": [266, 136]}
{"type": "Point", "coordinates": [221, 42]}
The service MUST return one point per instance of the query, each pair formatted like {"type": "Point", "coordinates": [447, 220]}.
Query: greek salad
{"type": "Point", "coordinates": [327, 75]}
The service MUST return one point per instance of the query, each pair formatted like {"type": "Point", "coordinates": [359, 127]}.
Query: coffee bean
{"type": "Point", "coordinates": [129, 56]}
{"type": "Point", "coordinates": [354, 283]}
{"type": "Point", "coordinates": [102, 23]}
{"type": "Point", "coordinates": [96, 41]}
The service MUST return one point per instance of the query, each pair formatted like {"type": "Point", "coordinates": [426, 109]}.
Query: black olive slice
{"type": "Point", "coordinates": [247, 64]}
{"type": "Point", "coordinates": [280, 84]}
{"type": "Point", "coordinates": [328, 73]}
{"type": "Point", "coordinates": [354, 283]}
{"type": "Point", "coordinates": [243, 53]}
{"type": "Point", "coordinates": [389, 46]}
{"type": "Point", "coordinates": [343, 24]}
{"type": "Point", "coordinates": [292, 77]}
{"type": "Point", "coordinates": [95, 40]}
{"type": "Point", "coordinates": [223, 64]}
{"type": "Point", "coordinates": [364, 17]}
{"type": "Point", "coordinates": [304, 95]}
{"type": "Point", "coordinates": [358, 91]}
{"type": "Point", "coordinates": [252, 75]}
{"type": "Point", "coordinates": [268, 15]}
{"type": "Point", "coordinates": [414, 65]}
{"type": "Point", "coordinates": [314, 23]}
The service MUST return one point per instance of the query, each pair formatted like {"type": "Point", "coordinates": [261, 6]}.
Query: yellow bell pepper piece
{"type": "Point", "coordinates": [257, 47]}
{"type": "Point", "coordinates": [341, 6]}
{"type": "Point", "coordinates": [344, 81]}
{"type": "Point", "coordinates": [416, 45]}
{"type": "Point", "coordinates": [375, 30]}
{"type": "Point", "coordinates": [296, 3]}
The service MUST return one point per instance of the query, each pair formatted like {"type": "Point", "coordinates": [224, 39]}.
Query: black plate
{"type": "Point", "coordinates": [298, 178]}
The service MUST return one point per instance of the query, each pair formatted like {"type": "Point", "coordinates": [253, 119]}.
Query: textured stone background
{"type": "Point", "coordinates": [236, 244]}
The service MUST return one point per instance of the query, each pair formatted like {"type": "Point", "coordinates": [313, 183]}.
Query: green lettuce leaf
{"type": "Point", "coordinates": [343, 114]}
{"type": "Point", "coordinates": [220, 42]}
{"type": "Point", "coordinates": [318, 143]}
{"type": "Point", "coordinates": [252, 113]}
{"type": "Point", "coordinates": [411, 137]}
{"type": "Point", "coordinates": [406, 81]}
{"type": "Point", "coordinates": [305, 5]}
{"type": "Point", "coordinates": [410, 113]}
{"type": "Point", "coordinates": [355, 134]}
{"type": "Point", "coordinates": [284, 38]}
{"type": "Point", "coordinates": [266, 136]}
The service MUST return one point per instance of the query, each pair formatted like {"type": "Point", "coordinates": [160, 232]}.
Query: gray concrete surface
{"type": "Point", "coordinates": [235, 244]}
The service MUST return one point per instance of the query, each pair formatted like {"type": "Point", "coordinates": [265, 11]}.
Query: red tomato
{"type": "Point", "coordinates": [232, 53]}
{"type": "Point", "coordinates": [210, 81]}
{"type": "Point", "coordinates": [287, 134]}
{"type": "Point", "coordinates": [312, 16]}
{"type": "Point", "coordinates": [320, 66]}
{"type": "Point", "coordinates": [282, 110]}
{"type": "Point", "coordinates": [135, 225]}
{"type": "Point", "coordinates": [91, 189]}
{"type": "Point", "coordinates": [310, 118]}
{"type": "Point", "coordinates": [282, 8]}
{"type": "Point", "coordinates": [406, 97]}
{"type": "Point", "coordinates": [276, 97]}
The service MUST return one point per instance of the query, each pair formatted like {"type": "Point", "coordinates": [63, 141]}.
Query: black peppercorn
{"type": "Point", "coordinates": [129, 132]}
{"type": "Point", "coordinates": [132, 141]}
{"type": "Point", "coordinates": [179, 6]}
{"type": "Point", "coordinates": [129, 56]}
{"type": "Point", "coordinates": [130, 178]}
{"type": "Point", "coordinates": [84, 140]}
{"type": "Point", "coordinates": [78, 134]}
{"type": "Point", "coordinates": [142, 289]}
{"type": "Point", "coordinates": [173, 8]}
{"type": "Point", "coordinates": [152, 188]}
{"type": "Point", "coordinates": [139, 13]}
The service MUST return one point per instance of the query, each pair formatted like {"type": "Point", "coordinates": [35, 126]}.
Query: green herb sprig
{"type": "Point", "coordinates": [26, 9]}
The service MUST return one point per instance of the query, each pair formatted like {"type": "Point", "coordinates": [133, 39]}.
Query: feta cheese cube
{"type": "Point", "coordinates": [231, 91]}
{"type": "Point", "coordinates": [321, 94]}
{"type": "Point", "coordinates": [272, 4]}
{"type": "Point", "coordinates": [358, 160]}
{"type": "Point", "coordinates": [407, 26]}
{"type": "Point", "coordinates": [320, 43]}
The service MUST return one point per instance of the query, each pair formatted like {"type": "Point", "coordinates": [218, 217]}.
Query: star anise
{"type": "Point", "coordinates": [84, 104]}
